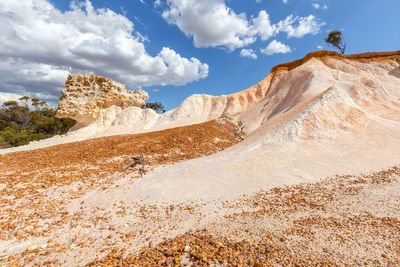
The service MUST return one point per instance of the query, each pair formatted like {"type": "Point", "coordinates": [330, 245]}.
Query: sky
{"type": "Point", "coordinates": [175, 48]}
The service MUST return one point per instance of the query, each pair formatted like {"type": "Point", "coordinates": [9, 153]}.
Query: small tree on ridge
{"type": "Point", "coordinates": [335, 39]}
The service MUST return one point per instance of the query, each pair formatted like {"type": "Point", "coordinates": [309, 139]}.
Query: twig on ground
{"type": "Point", "coordinates": [137, 160]}
{"type": "Point", "coordinates": [239, 130]}
{"type": "Point", "coordinates": [226, 117]}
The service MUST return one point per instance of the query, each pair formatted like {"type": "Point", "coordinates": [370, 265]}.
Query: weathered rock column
{"type": "Point", "coordinates": [86, 95]}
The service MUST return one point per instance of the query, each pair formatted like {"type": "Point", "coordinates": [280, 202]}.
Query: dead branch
{"type": "Point", "coordinates": [137, 160]}
{"type": "Point", "coordinates": [226, 117]}
{"type": "Point", "coordinates": [239, 130]}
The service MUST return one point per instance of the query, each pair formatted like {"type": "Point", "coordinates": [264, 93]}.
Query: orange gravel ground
{"type": "Point", "coordinates": [316, 224]}
{"type": "Point", "coordinates": [36, 186]}
{"type": "Point", "coordinates": [342, 220]}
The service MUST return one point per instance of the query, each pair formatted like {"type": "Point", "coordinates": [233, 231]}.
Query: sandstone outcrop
{"type": "Point", "coordinates": [324, 115]}
{"type": "Point", "coordinates": [324, 95]}
{"type": "Point", "coordinates": [86, 96]}
{"type": "Point", "coordinates": [108, 107]}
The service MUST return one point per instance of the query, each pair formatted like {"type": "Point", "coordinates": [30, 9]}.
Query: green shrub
{"type": "Point", "coordinates": [19, 125]}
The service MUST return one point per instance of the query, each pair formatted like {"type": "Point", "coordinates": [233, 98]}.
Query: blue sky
{"type": "Point", "coordinates": [176, 48]}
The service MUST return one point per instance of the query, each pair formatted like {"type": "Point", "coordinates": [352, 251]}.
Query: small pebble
{"type": "Point", "coordinates": [33, 247]}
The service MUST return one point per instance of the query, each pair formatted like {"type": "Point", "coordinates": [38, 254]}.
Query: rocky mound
{"type": "Point", "coordinates": [104, 107]}
{"type": "Point", "coordinates": [87, 96]}
{"type": "Point", "coordinates": [326, 93]}
{"type": "Point", "coordinates": [332, 114]}
{"type": "Point", "coordinates": [289, 91]}
{"type": "Point", "coordinates": [307, 98]}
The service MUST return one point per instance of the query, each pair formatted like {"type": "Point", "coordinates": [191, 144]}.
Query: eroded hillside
{"type": "Point", "coordinates": [38, 185]}
{"type": "Point", "coordinates": [314, 182]}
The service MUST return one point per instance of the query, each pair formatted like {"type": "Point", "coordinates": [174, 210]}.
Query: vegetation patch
{"type": "Point", "coordinates": [29, 120]}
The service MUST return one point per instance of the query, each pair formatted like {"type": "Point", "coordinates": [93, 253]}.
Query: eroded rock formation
{"type": "Point", "coordinates": [87, 95]}
{"type": "Point", "coordinates": [307, 98]}
{"type": "Point", "coordinates": [326, 93]}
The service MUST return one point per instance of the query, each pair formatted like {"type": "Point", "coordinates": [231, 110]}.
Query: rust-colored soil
{"type": "Point", "coordinates": [28, 179]}
{"type": "Point", "coordinates": [341, 220]}
{"type": "Point", "coordinates": [312, 225]}
{"type": "Point", "coordinates": [364, 57]}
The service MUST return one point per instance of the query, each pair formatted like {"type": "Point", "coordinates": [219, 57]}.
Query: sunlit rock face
{"type": "Point", "coordinates": [87, 96]}
{"type": "Point", "coordinates": [105, 105]}
{"type": "Point", "coordinates": [326, 95]}
{"type": "Point", "coordinates": [323, 96]}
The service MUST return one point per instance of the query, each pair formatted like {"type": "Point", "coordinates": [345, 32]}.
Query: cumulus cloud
{"type": "Point", "coordinates": [276, 47]}
{"type": "Point", "coordinates": [213, 24]}
{"type": "Point", "coordinates": [319, 6]}
{"type": "Point", "coordinates": [41, 45]}
{"type": "Point", "coordinates": [299, 26]}
{"type": "Point", "coordinates": [316, 5]}
{"type": "Point", "coordinates": [261, 25]}
{"type": "Point", "coordinates": [248, 53]}
{"type": "Point", "coordinates": [210, 22]}
{"type": "Point", "coordinates": [320, 47]}
{"type": "Point", "coordinates": [8, 96]}
{"type": "Point", "coordinates": [285, 1]}
{"type": "Point", "coordinates": [157, 3]}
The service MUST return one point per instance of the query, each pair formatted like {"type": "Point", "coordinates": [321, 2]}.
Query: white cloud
{"type": "Point", "coordinates": [180, 70]}
{"type": "Point", "coordinates": [285, 1]}
{"type": "Point", "coordinates": [303, 26]}
{"type": "Point", "coordinates": [213, 24]}
{"type": "Point", "coordinates": [210, 22]}
{"type": "Point", "coordinates": [157, 3]}
{"type": "Point", "coordinates": [7, 97]}
{"type": "Point", "coordinates": [155, 90]}
{"type": "Point", "coordinates": [258, 1]}
{"type": "Point", "coordinates": [316, 5]}
{"type": "Point", "coordinates": [276, 47]}
{"type": "Point", "coordinates": [262, 26]}
{"type": "Point", "coordinates": [320, 47]}
{"type": "Point", "coordinates": [248, 53]}
{"type": "Point", "coordinates": [41, 45]}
